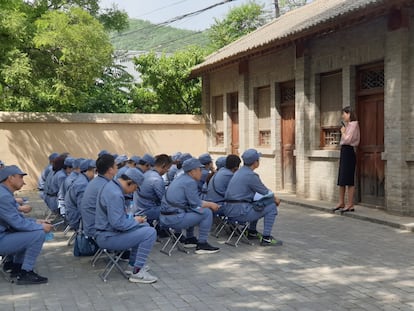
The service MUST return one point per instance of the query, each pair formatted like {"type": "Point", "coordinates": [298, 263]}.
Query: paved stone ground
{"type": "Point", "coordinates": [327, 263]}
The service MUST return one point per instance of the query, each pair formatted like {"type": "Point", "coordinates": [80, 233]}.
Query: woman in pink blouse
{"type": "Point", "coordinates": [347, 162]}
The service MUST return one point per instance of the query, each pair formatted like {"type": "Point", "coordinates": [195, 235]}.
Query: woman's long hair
{"type": "Point", "coordinates": [351, 112]}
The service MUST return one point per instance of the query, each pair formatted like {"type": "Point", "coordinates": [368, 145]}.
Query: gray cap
{"type": "Point", "coordinates": [9, 171]}
{"type": "Point", "coordinates": [250, 156]}
{"type": "Point", "coordinates": [53, 156]}
{"type": "Point", "coordinates": [221, 162]}
{"type": "Point", "coordinates": [120, 159]}
{"type": "Point", "coordinates": [87, 164]}
{"type": "Point", "coordinates": [191, 164]}
{"type": "Point", "coordinates": [205, 158]}
{"type": "Point", "coordinates": [135, 175]}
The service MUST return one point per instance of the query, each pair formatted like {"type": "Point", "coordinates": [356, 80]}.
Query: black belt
{"type": "Point", "coordinates": [169, 213]}
{"type": "Point", "coordinates": [52, 195]}
{"type": "Point", "coordinates": [237, 201]}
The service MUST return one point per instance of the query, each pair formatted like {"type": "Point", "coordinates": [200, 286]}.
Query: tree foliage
{"type": "Point", "coordinates": [52, 53]}
{"type": "Point", "coordinates": [165, 86]}
{"type": "Point", "coordinates": [238, 22]}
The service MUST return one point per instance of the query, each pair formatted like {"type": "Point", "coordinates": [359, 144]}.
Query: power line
{"type": "Point", "coordinates": [162, 8]}
{"type": "Point", "coordinates": [174, 19]}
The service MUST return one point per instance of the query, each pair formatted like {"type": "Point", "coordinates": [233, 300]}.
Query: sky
{"type": "Point", "coordinates": [157, 11]}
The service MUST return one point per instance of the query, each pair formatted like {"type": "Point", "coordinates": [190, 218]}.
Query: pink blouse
{"type": "Point", "coordinates": [351, 136]}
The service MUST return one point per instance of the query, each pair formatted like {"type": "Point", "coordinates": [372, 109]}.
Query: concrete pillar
{"type": "Point", "coordinates": [243, 109]}
{"type": "Point", "coordinates": [302, 86]}
{"type": "Point", "coordinates": [396, 121]}
{"type": "Point", "coordinates": [206, 108]}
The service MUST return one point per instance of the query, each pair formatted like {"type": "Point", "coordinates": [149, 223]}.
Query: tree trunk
{"type": "Point", "coordinates": [277, 8]}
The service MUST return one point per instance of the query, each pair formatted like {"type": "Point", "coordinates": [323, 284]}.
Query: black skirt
{"type": "Point", "coordinates": [347, 164]}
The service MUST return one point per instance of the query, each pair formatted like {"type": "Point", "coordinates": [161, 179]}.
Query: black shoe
{"type": "Point", "coordinates": [8, 266]}
{"type": "Point", "coordinates": [190, 242]}
{"type": "Point", "coordinates": [30, 278]}
{"type": "Point", "coordinates": [253, 235]}
{"type": "Point", "coordinates": [205, 248]}
{"type": "Point", "coordinates": [16, 270]}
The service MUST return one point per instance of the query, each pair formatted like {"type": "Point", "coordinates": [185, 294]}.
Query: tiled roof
{"type": "Point", "coordinates": [288, 25]}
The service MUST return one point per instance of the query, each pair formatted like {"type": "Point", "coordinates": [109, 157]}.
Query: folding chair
{"type": "Point", "coordinates": [175, 240]}
{"type": "Point", "coordinates": [221, 223]}
{"type": "Point", "coordinates": [114, 258]}
{"type": "Point", "coordinates": [238, 232]}
{"type": "Point", "coordinates": [5, 274]}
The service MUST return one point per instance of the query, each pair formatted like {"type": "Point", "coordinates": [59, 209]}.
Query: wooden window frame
{"type": "Point", "coordinates": [326, 131]}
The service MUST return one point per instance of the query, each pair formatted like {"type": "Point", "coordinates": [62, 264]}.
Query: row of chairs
{"type": "Point", "coordinates": [237, 233]}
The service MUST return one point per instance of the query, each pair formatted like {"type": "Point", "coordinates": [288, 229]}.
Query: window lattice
{"type": "Point", "coordinates": [264, 138]}
{"type": "Point", "coordinates": [332, 137]}
{"type": "Point", "coordinates": [288, 94]}
{"type": "Point", "coordinates": [372, 79]}
{"type": "Point", "coordinates": [219, 139]}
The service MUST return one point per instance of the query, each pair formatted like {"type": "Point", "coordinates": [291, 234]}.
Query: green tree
{"type": "Point", "coordinates": [165, 86]}
{"type": "Point", "coordinates": [54, 53]}
{"type": "Point", "coordinates": [283, 6]}
{"type": "Point", "coordinates": [237, 23]}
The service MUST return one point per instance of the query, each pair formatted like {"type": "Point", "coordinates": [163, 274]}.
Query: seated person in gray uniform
{"type": "Point", "coordinates": [220, 163]}
{"type": "Point", "coordinates": [74, 195]}
{"type": "Point", "coordinates": [218, 183]}
{"type": "Point", "coordinates": [240, 199]}
{"type": "Point", "coordinates": [106, 168]}
{"type": "Point", "coordinates": [54, 181]}
{"type": "Point", "coordinates": [20, 237]}
{"type": "Point", "coordinates": [148, 197]}
{"type": "Point", "coordinates": [182, 208]}
{"type": "Point", "coordinates": [116, 231]}
{"type": "Point", "coordinates": [131, 163]}
{"type": "Point", "coordinates": [206, 172]}
{"type": "Point", "coordinates": [145, 163]}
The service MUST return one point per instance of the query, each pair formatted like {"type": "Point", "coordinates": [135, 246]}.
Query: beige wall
{"type": "Point", "coordinates": [27, 138]}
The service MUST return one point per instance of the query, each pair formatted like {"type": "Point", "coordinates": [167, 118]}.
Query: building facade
{"type": "Point", "coordinates": [281, 89]}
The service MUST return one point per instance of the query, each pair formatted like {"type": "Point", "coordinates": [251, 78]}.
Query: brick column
{"type": "Point", "coordinates": [244, 105]}
{"type": "Point", "coordinates": [396, 121]}
{"type": "Point", "coordinates": [206, 107]}
{"type": "Point", "coordinates": [302, 86]}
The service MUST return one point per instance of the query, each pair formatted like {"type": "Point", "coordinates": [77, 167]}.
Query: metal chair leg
{"type": "Point", "coordinates": [175, 243]}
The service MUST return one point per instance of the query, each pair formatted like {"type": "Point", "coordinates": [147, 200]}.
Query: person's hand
{"type": "Point", "coordinates": [214, 206]}
{"type": "Point", "coordinates": [140, 219]}
{"type": "Point", "coordinates": [277, 201]}
{"type": "Point", "coordinates": [47, 227]}
{"type": "Point", "coordinates": [343, 129]}
{"type": "Point", "coordinates": [19, 200]}
{"type": "Point", "coordinates": [25, 209]}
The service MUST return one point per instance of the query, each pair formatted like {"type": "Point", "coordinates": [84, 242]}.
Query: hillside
{"type": "Point", "coordinates": [145, 36]}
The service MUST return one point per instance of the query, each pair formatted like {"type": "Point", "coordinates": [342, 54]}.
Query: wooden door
{"type": "Point", "coordinates": [371, 169]}
{"type": "Point", "coordinates": [234, 117]}
{"type": "Point", "coordinates": [288, 136]}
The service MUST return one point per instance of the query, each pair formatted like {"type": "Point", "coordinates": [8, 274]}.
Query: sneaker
{"type": "Point", "coordinates": [8, 266]}
{"type": "Point", "coordinates": [16, 270]}
{"type": "Point", "coordinates": [130, 269]}
{"type": "Point", "coordinates": [270, 241]}
{"type": "Point", "coordinates": [205, 248]}
{"type": "Point", "coordinates": [253, 235]}
{"type": "Point", "coordinates": [190, 242]}
{"type": "Point", "coordinates": [143, 277]}
{"type": "Point", "coordinates": [29, 278]}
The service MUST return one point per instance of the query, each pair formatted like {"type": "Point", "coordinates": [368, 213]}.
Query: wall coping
{"type": "Point", "coordinates": [103, 118]}
{"type": "Point", "coordinates": [334, 154]}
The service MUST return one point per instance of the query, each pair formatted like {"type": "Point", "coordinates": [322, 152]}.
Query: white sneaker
{"type": "Point", "coordinates": [130, 269]}
{"type": "Point", "coordinates": [143, 277]}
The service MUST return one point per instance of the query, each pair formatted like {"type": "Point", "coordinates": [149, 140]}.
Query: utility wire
{"type": "Point", "coordinates": [174, 19]}
{"type": "Point", "coordinates": [162, 8]}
